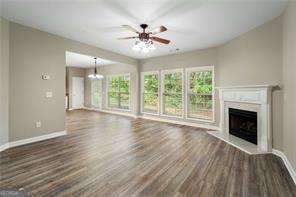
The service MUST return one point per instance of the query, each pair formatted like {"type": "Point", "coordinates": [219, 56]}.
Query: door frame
{"type": "Point", "coordinates": [72, 100]}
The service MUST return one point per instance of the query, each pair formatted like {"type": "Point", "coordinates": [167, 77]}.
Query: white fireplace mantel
{"type": "Point", "coordinates": [252, 98]}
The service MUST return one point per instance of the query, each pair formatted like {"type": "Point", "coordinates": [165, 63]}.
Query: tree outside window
{"type": "Point", "coordinates": [150, 93]}
{"type": "Point", "coordinates": [173, 94]}
{"type": "Point", "coordinates": [119, 92]}
{"type": "Point", "coordinates": [200, 94]}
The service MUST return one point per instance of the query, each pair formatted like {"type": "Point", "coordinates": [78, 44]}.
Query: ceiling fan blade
{"type": "Point", "coordinates": [126, 38]}
{"type": "Point", "coordinates": [158, 30]}
{"type": "Point", "coordinates": [161, 40]}
{"type": "Point", "coordinates": [129, 28]}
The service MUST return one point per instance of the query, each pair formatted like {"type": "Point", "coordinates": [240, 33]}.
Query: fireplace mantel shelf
{"type": "Point", "coordinates": [247, 86]}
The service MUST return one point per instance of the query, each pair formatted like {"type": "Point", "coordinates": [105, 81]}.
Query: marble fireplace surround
{"type": "Point", "coordinates": [255, 98]}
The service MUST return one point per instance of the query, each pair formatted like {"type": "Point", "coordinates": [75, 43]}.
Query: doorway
{"type": "Point", "coordinates": [77, 92]}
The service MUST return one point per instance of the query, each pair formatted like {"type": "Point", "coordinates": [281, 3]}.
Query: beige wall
{"type": "Point", "coordinates": [289, 77]}
{"type": "Point", "coordinates": [114, 70]}
{"type": "Point", "coordinates": [255, 58]}
{"type": "Point", "coordinates": [33, 53]}
{"type": "Point", "coordinates": [73, 72]}
{"type": "Point", "coordinates": [4, 81]}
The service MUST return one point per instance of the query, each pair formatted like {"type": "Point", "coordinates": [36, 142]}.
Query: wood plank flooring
{"type": "Point", "coordinates": [109, 155]}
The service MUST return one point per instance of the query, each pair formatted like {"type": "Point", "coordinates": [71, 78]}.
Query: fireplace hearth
{"type": "Point", "coordinates": [243, 124]}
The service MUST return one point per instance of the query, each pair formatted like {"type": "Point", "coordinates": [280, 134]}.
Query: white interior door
{"type": "Point", "coordinates": [77, 92]}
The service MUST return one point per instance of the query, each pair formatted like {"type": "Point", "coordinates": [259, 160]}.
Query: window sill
{"type": "Point", "coordinates": [118, 109]}
{"type": "Point", "coordinates": [148, 113]}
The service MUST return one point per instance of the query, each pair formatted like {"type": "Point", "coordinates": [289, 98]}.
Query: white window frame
{"type": "Point", "coordinates": [107, 92]}
{"type": "Point", "coordinates": [196, 69]}
{"type": "Point", "coordinates": [142, 91]}
{"type": "Point", "coordinates": [101, 103]}
{"type": "Point", "coordinates": [163, 72]}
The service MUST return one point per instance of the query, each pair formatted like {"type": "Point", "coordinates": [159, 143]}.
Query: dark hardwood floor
{"type": "Point", "coordinates": [109, 155]}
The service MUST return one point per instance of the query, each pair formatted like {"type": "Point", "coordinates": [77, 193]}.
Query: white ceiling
{"type": "Point", "coordinates": [84, 61]}
{"type": "Point", "coordinates": [192, 24]}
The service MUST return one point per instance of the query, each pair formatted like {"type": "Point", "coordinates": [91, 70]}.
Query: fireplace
{"type": "Point", "coordinates": [245, 118]}
{"type": "Point", "coordinates": [243, 124]}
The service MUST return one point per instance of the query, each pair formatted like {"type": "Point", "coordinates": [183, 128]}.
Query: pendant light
{"type": "Point", "coordinates": [95, 75]}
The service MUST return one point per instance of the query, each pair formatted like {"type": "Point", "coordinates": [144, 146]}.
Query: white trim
{"type": "Point", "coordinates": [171, 71]}
{"type": "Point", "coordinates": [142, 91]}
{"type": "Point", "coordinates": [37, 139]}
{"type": "Point", "coordinates": [179, 122]}
{"type": "Point", "coordinates": [4, 147]}
{"type": "Point", "coordinates": [238, 143]}
{"type": "Point", "coordinates": [83, 100]}
{"type": "Point", "coordinates": [278, 153]}
{"type": "Point", "coordinates": [252, 99]}
{"type": "Point", "coordinates": [200, 68]}
{"type": "Point", "coordinates": [117, 112]}
{"type": "Point", "coordinates": [248, 86]}
{"type": "Point", "coordinates": [286, 162]}
{"type": "Point", "coordinates": [196, 69]}
{"type": "Point", "coordinates": [201, 120]}
{"type": "Point", "coordinates": [31, 140]}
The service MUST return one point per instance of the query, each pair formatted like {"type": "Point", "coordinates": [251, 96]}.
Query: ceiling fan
{"type": "Point", "coordinates": [145, 39]}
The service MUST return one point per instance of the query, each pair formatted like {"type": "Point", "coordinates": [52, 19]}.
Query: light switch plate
{"type": "Point", "coordinates": [38, 124]}
{"type": "Point", "coordinates": [48, 95]}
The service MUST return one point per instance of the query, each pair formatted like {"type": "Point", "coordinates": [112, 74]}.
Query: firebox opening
{"type": "Point", "coordinates": [243, 124]}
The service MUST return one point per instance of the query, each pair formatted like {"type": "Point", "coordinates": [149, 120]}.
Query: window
{"type": "Point", "coordinates": [96, 93]}
{"type": "Point", "coordinates": [200, 83]}
{"type": "Point", "coordinates": [150, 89]}
{"type": "Point", "coordinates": [172, 93]}
{"type": "Point", "coordinates": [119, 92]}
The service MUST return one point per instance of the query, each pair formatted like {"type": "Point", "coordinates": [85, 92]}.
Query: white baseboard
{"type": "Point", "coordinates": [31, 140]}
{"type": "Point", "coordinates": [274, 151]}
{"type": "Point", "coordinates": [286, 162]}
{"type": "Point", "coordinates": [4, 147]}
{"type": "Point", "coordinates": [112, 112]}
{"type": "Point", "coordinates": [180, 122]}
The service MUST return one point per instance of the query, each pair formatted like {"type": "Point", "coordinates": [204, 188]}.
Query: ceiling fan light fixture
{"type": "Point", "coordinates": [143, 46]}
{"type": "Point", "coordinates": [136, 46]}
{"type": "Point", "coordinates": [145, 50]}
{"type": "Point", "coordinates": [151, 46]}
{"type": "Point", "coordinates": [144, 39]}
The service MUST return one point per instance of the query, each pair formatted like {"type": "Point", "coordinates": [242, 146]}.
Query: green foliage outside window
{"type": "Point", "coordinates": [200, 95]}
{"type": "Point", "coordinates": [150, 93]}
{"type": "Point", "coordinates": [118, 92]}
{"type": "Point", "coordinates": [172, 94]}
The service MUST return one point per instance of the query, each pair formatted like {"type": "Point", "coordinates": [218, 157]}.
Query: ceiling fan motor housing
{"type": "Point", "coordinates": [144, 26]}
{"type": "Point", "coordinates": [143, 36]}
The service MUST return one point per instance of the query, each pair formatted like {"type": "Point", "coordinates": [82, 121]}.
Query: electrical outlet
{"type": "Point", "coordinates": [38, 124]}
